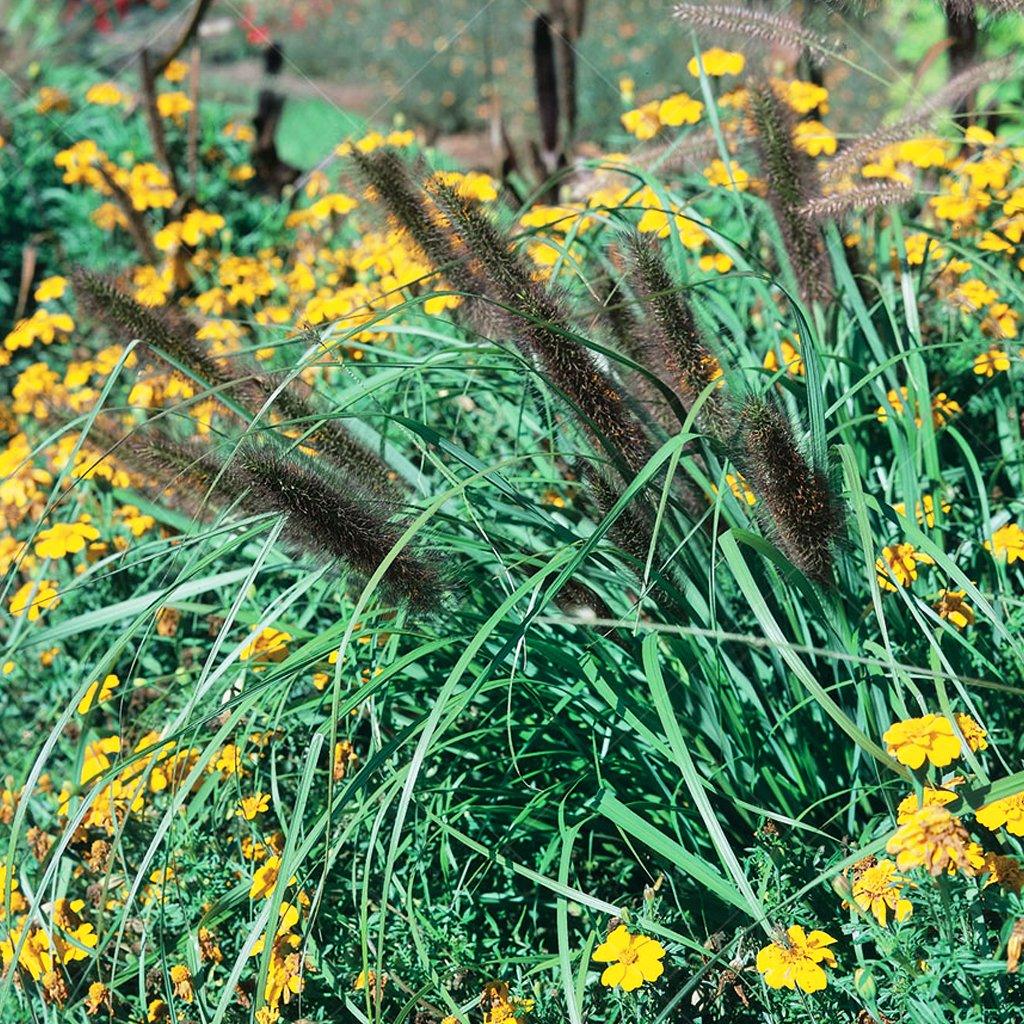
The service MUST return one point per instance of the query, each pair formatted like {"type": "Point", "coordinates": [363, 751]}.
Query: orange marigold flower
{"type": "Point", "coordinates": [632, 959]}
{"type": "Point", "coordinates": [914, 740]}
{"type": "Point", "coordinates": [1009, 812]}
{"type": "Point", "coordinates": [934, 839]}
{"type": "Point", "coordinates": [795, 961]}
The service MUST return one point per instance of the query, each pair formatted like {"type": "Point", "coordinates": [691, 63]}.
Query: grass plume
{"type": "Point", "coordinates": [753, 23]}
{"type": "Point", "coordinates": [853, 155]}
{"type": "Point", "coordinates": [791, 180]}
{"type": "Point", "coordinates": [806, 518]}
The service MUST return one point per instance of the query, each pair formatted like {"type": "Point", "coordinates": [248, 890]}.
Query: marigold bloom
{"type": "Point", "coordinates": [105, 94]}
{"type": "Point", "coordinates": [1009, 812]}
{"type": "Point", "coordinates": [717, 62]}
{"type": "Point", "coordinates": [731, 176]}
{"type": "Point", "coordinates": [920, 245]}
{"type": "Point", "coordinates": [50, 98]}
{"type": "Point", "coordinates": [791, 359]}
{"type": "Point", "coordinates": [176, 70]}
{"type": "Point", "coordinates": [989, 363]}
{"type": "Point", "coordinates": [814, 139]}
{"type": "Point", "coordinates": [633, 959]}
{"type": "Point", "coordinates": [33, 598]}
{"type": "Point", "coordinates": [898, 565]}
{"type": "Point", "coordinates": [975, 735]}
{"type": "Point", "coordinates": [679, 109]}
{"type": "Point", "coordinates": [916, 739]}
{"type": "Point", "coordinates": [924, 510]}
{"type": "Point", "coordinates": [50, 288]}
{"type": "Point", "coordinates": [643, 122]}
{"type": "Point", "coordinates": [99, 999]}
{"type": "Point", "coordinates": [269, 645]}
{"type": "Point", "coordinates": [1004, 871]}
{"type": "Point", "coordinates": [173, 104]}
{"type": "Point", "coordinates": [1008, 542]}
{"type": "Point", "coordinates": [952, 607]}
{"type": "Point", "coordinates": [65, 538]}
{"type": "Point", "coordinates": [795, 962]}
{"type": "Point", "coordinates": [878, 890]}
{"type": "Point", "coordinates": [98, 693]}
{"type": "Point", "coordinates": [181, 979]}
{"type": "Point", "coordinates": [934, 839]}
{"type": "Point", "coordinates": [250, 806]}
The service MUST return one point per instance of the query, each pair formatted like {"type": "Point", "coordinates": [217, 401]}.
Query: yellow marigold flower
{"type": "Point", "coordinates": [472, 185]}
{"type": "Point", "coordinates": [1009, 812]}
{"type": "Point", "coordinates": [65, 538]}
{"type": "Point", "coordinates": [627, 89]}
{"type": "Point", "coordinates": [176, 70]}
{"type": "Point", "coordinates": [791, 359]}
{"type": "Point", "coordinates": [958, 204]}
{"type": "Point", "coordinates": [916, 739]}
{"type": "Point", "coordinates": [265, 879]}
{"type": "Point", "coordinates": [1004, 871]}
{"type": "Point", "coordinates": [804, 97]}
{"type": "Point", "coordinates": [931, 797]}
{"type": "Point", "coordinates": [989, 363]}
{"type": "Point", "coordinates": [717, 262]}
{"type": "Point", "coordinates": [643, 122]}
{"type": "Point", "coordinates": [973, 295]}
{"type": "Point", "coordinates": [878, 890]}
{"type": "Point", "coordinates": [181, 979]}
{"type": "Point", "coordinates": [151, 287]}
{"type": "Point", "coordinates": [173, 104]}
{"type": "Point", "coordinates": [99, 999]}
{"type": "Point", "coordinates": [105, 94]}
{"type": "Point", "coordinates": [795, 960]}
{"type": "Point", "coordinates": [334, 203]}
{"type": "Point", "coordinates": [98, 693]}
{"type": "Point", "coordinates": [924, 510]}
{"type": "Point", "coordinates": [137, 522]}
{"type": "Point", "coordinates": [632, 959]}
{"type": "Point", "coordinates": [97, 760]}
{"type": "Point", "coordinates": [198, 224]}
{"type": "Point", "coordinates": [251, 806]}
{"type": "Point", "coordinates": [731, 177]}
{"type": "Point", "coordinates": [1000, 321]}
{"type": "Point", "coordinates": [108, 216]}
{"type": "Point", "coordinates": [51, 98]}
{"type": "Point", "coordinates": [923, 153]}
{"type": "Point", "coordinates": [678, 109]}
{"type": "Point", "coordinates": [952, 607]}
{"type": "Point", "coordinates": [157, 1010]}
{"type": "Point", "coordinates": [368, 979]}
{"type": "Point", "coordinates": [944, 408]}
{"type": "Point", "coordinates": [738, 485]}
{"type": "Point", "coordinates": [51, 288]}
{"type": "Point", "coordinates": [32, 599]}
{"type": "Point", "coordinates": [934, 839]}
{"type": "Point", "coordinates": [814, 139]}
{"type": "Point", "coordinates": [42, 325]}
{"type": "Point", "coordinates": [920, 245]}
{"type": "Point", "coordinates": [1007, 541]}
{"type": "Point", "coordinates": [243, 172]}
{"type": "Point", "coordinates": [898, 565]}
{"type": "Point", "coordinates": [717, 62]}
{"type": "Point", "coordinates": [79, 162]}
{"type": "Point", "coordinates": [269, 645]}
{"type": "Point", "coordinates": [976, 736]}
{"type": "Point", "coordinates": [149, 187]}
